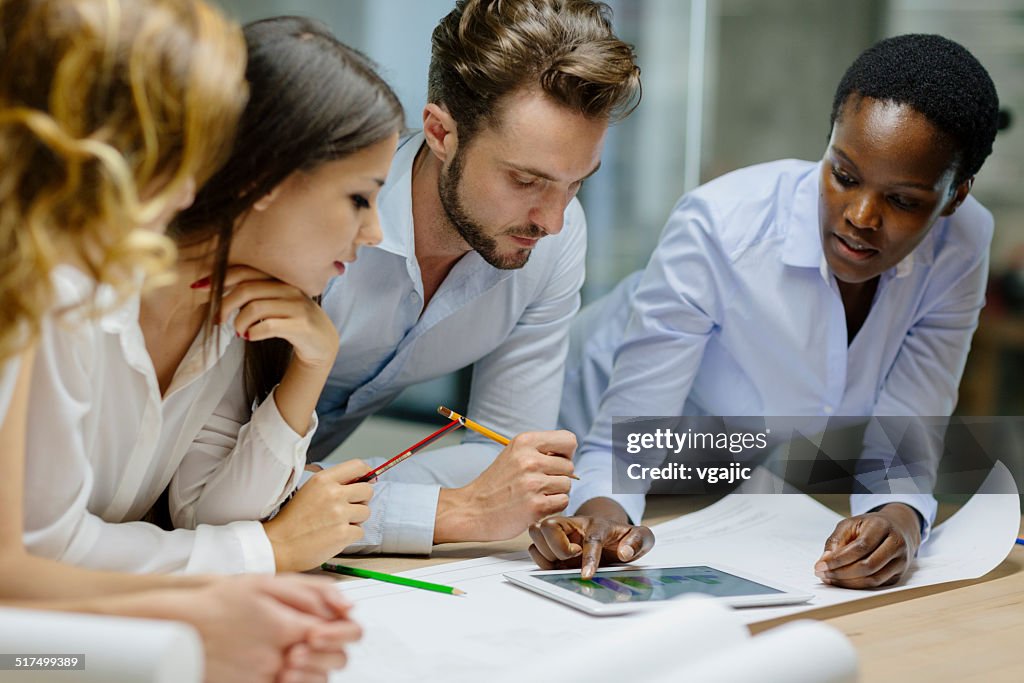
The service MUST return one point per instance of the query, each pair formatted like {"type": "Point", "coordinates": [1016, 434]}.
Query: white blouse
{"type": "Point", "coordinates": [103, 445]}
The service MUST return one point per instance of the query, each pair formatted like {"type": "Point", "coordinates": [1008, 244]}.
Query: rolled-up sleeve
{"type": "Point", "coordinates": [404, 505]}
{"type": "Point", "coordinates": [401, 520]}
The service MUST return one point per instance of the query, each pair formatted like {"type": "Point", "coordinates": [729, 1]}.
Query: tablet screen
{"type": "Point", "coordinates": [646, 585]}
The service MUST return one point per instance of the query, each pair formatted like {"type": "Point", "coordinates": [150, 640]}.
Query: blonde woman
{"type": "Point", "coordinates": [110, 113]}
{"type": "Point", "coordinates": [294, 201]}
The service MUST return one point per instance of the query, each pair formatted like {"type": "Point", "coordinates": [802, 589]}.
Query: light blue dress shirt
{"type": "Point", "coordinates": [512, 326]}
{"type": "Point", "coordinates": [738, 314]}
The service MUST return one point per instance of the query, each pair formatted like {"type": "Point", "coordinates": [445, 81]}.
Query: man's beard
{"type": "Point", "coordinates": [471, 231]}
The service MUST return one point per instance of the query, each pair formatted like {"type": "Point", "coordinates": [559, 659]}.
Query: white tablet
{"type": "Point", "coordinates": [615, 590]}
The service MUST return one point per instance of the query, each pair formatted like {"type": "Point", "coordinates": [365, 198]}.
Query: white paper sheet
{"type": "Point", "coordinates": [659, 642]}
{"type": "Point", "coordinates": [785, 534]}
{"type": "Point", "coordinates": [412, 634]}
{"type": "Point", "coordinates": [799, 652]}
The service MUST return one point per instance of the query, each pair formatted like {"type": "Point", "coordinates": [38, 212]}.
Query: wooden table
{"type": "Point", "coordinates": [961, 631]}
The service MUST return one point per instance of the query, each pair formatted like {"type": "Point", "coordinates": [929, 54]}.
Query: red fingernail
{"type": "Point", "coordinates": [201, 283]}
{"type": "Point", "coordinates": [245, 336]}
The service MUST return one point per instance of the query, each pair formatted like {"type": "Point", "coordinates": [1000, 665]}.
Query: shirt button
{"type": "Point", "coordinates": [828, 410]}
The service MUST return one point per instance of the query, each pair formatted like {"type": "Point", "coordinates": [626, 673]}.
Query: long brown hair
{"type": "Point", "coordinates": [98, 100]}
{"type": "Point", "coordinates": [312, 100]}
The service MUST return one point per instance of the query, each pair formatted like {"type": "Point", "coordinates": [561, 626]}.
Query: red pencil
{"type": "Point", "coordinates": [380, 469]}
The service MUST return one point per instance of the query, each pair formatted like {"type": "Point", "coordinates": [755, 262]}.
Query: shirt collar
{"type": "Point", "coordinates": [802, 247]}
{"type": "Point", "coordinates": [205, 353]}
{"type": "Point", "coordinates": [123, 321]}
{"type": "Point", "coordinates": [395, 202]}
{"type": "Point", "coordinates": [118, 317]}
{"type": "Point", "coordinates": [90, 303]}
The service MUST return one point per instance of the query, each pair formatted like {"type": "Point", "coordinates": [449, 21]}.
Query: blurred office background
{"type": "Point", "coordinates": [728, 83]}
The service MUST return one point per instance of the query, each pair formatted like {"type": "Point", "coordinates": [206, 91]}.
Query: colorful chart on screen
{"type": "Point", "coordinates": [614, 590]}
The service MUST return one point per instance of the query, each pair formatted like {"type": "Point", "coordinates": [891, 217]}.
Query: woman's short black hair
{"type": "Point", "coordinates": [938, 78]}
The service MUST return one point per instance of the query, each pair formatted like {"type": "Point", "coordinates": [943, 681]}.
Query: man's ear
{"type": "Point", "coordinates": [264, 202]}
{"type": "Point", "coordinates": [959, 195]}
{"type": "Point", "coordinates": [441, 132]}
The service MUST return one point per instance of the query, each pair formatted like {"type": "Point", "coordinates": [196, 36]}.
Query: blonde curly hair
{"type": "Point", "coordinates": [109, 109]}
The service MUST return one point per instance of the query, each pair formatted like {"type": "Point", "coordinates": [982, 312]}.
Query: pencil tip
{"type": "Point", "coordinates": [456, 591]}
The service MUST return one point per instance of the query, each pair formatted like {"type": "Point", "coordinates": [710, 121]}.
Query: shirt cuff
{"type": "Point", "coordinates": [633, 503]}
{"type": "Point", "coordinates": [401, 519]}
{"type": "Point", "coordinates": [236, 548]}
{"type": "Point", "coordinates": [595, 473]}
{"type": "Point", "coordinates": [924, 504]}
{"type": "Point", "coordinates": [281, 440]}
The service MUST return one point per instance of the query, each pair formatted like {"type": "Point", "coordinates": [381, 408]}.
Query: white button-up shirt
{"type": "Point", "coordinates": [103, 445]}
{"type": "Point", "coordinates": [510, 325]}
{"type": "Point", "coordinates": [738, 314]}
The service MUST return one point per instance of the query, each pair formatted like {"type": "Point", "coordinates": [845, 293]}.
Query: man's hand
{"type": "Point", "coordinates": [528, 481]}
{"type": "Point", "coordinates": [600, 533]}
{"type": "Point", "coordinates": [871, 550]}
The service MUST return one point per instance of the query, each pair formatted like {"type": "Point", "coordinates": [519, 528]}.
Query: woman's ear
{"type": "Point", "coordinates": [959, 195]}
{"type": "Point", "coordinates": [441, 132]}
{"type": "Point", "coordinates": [264, 202]}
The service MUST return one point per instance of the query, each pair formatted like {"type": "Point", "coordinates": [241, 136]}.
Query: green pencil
{"type": "Point", "coordinates": [389, 578]}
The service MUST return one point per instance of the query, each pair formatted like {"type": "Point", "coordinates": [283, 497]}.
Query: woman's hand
{"type": "Point", "coordinates": [871, 550]}
{"type": "Point", "coordinates": [258, 629]}
{"type": "Point", "coordinates": [270, 309]}
{"type": "Point", "coordinates": [321, 519]}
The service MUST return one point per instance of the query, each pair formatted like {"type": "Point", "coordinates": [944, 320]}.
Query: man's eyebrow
{"type": "Point", "coordinates": [541, 174]}
{"type": "Point", "coordinates": [901, 183]}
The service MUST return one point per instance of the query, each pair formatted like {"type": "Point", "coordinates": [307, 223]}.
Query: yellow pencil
{"type": "Point", "coordinates": [475, 426]}
{"type": "Point", "coordinates": [480, 429]}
